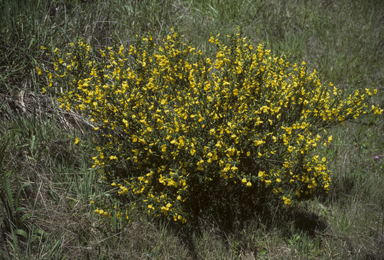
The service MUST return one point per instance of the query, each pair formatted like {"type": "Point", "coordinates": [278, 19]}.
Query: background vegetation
{"type": "Point", "coordinates": [47, 183]}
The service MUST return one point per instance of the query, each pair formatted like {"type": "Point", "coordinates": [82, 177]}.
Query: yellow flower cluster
{"type": "Point", "coordinates": [174, 120]}
{"type": "Point", "coordinates": [107, 213]}
{"type": "Point", "coordinates": [103, 213]}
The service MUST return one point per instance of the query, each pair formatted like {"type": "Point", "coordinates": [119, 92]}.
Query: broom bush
{"type": "Point", "coordinates": [182, 133]}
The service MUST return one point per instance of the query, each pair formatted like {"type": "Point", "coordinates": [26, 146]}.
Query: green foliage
{"type": "Point", "coordinates": [184, 134]}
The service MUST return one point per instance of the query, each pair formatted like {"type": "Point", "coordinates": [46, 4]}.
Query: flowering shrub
{"type": "Point", "coordinates": [180, 130]}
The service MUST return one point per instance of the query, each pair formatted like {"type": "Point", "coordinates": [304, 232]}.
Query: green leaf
{"type": "Point", "coordinates": [20, 209]}
{"type": "Point", "coordinates": [54, 248]}
{"type": "Point", "coordinates": [262, 252]}
{"type": "Point", "coordinates": [21, 233]}
{"type": "Point", "coordinates": [113, 222]}
{"type": "Point", "coordinates": [18, 195]}
{"type": "Point", "coordinates": [38, 234]}
{"type": "Point", "coordinates": [25, 217]}
{"type": "Point", "coordinates": [9, 202]}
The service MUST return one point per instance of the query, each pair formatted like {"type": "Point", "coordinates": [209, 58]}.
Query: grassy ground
{"type": "Point", "coordinates": [47, 181]}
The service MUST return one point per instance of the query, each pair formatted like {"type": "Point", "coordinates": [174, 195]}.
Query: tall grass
{"type": "Point", "coordinates": [47, 183]}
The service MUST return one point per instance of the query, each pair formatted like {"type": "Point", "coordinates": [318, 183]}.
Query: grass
{"type": "Point", "coordinates": [47, 182]}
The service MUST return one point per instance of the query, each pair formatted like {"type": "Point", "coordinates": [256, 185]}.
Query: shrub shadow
{"type": "Point", "coordinates": [266, 214]}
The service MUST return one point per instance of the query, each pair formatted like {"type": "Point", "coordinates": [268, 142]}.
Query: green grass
{"type": "Point", "coordinates": [47, 182]}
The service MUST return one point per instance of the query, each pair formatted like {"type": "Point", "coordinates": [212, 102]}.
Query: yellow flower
{"type": "Point", "coordinates": [258, 142]}
{"type": "Point", "coordinates": [76, 140]}
{"type": "Point", "coordinates": [244, 180]}
{"type": "Point", "coordinates": [286, 201]}
{"type": "Point", "coordinates": [249, 184]}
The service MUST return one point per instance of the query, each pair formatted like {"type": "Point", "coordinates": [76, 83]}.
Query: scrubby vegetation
{"type": "Point", "coordinates": [181, 143]}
